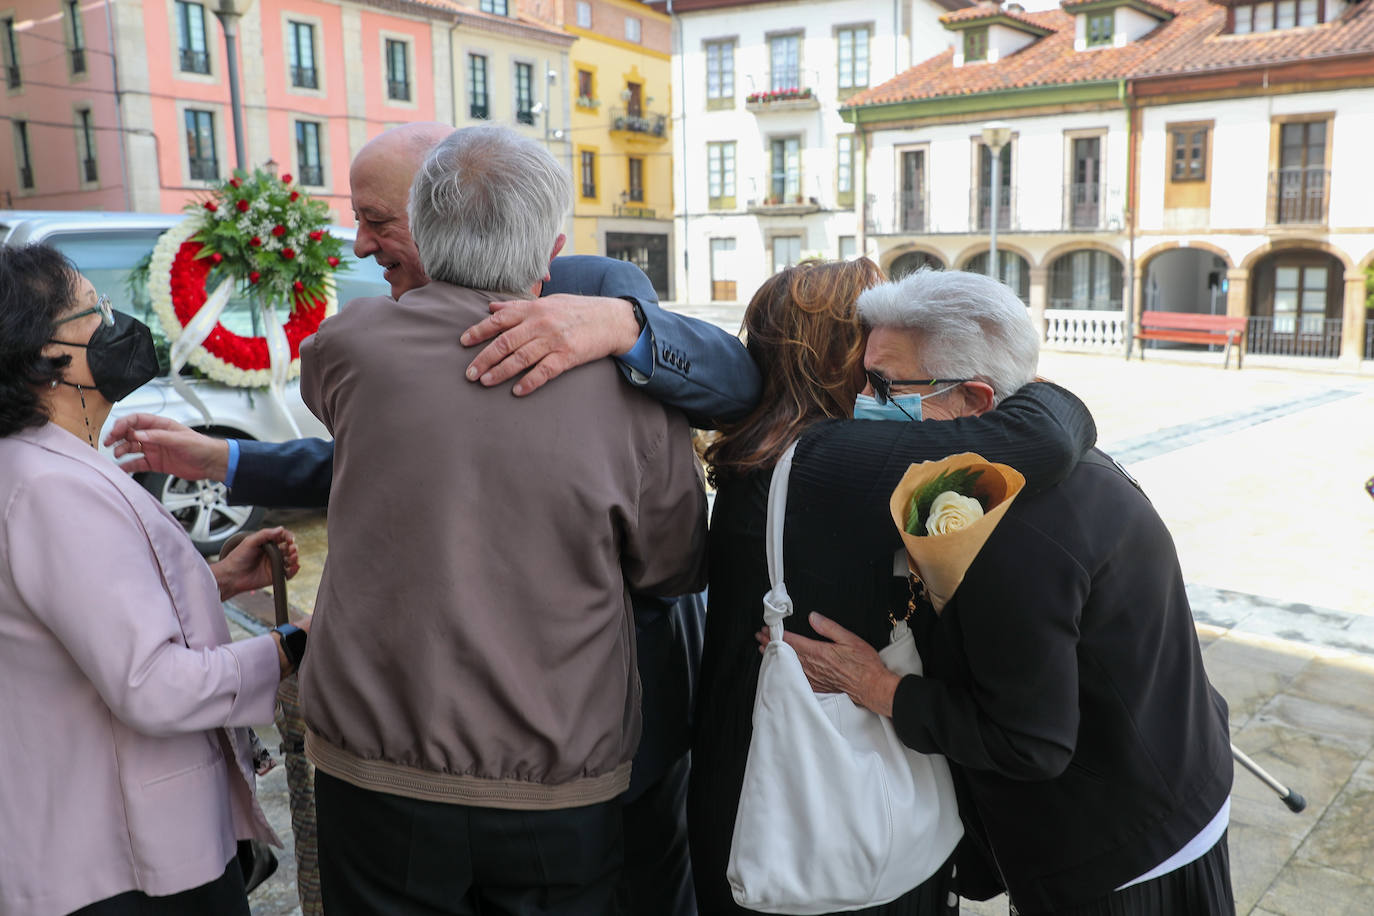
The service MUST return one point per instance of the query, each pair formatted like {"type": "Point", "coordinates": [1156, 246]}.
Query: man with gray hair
{"type": "Point", "coordinates": [1063, 680]}
{"type": "Point", "coordinates": [470, 693]}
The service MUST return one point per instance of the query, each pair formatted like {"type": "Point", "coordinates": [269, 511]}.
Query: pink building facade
{"type": "Point", "coordinates": [125, 104]}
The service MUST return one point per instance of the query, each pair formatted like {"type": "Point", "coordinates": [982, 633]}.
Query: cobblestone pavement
{"type": "Point", "coordinates": [1259, 475]}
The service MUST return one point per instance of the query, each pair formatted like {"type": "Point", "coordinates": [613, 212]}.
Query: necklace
{"type": "Point", "coordinates": [81, 393]}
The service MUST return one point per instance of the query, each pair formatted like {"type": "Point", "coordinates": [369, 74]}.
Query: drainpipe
{"type": "Point", "coordinates": [1132, 177]}
{"type": "Point", "coordinates": [119, 107]}
{"type": "Point", "coordinates": [685, 293]}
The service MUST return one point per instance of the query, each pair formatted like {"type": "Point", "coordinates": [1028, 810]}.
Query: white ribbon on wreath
{"type": "Point", "coordinates": [186, 339]}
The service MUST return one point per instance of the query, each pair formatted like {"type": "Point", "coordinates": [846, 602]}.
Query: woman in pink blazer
{"type": "Point", "coordinates": [123, 703]}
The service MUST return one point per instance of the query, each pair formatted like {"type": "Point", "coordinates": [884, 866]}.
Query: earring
{"type": "Point", "coordinates": [54, 384]}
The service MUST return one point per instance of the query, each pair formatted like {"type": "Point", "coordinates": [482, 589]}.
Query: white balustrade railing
{"type": "Point", "coordinates": [1100, 331]}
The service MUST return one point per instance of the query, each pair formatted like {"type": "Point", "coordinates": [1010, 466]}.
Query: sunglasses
{"type": "Point", "coordinates": [882, 387]}
{"type": "Point", "coordinates": [103, 308]}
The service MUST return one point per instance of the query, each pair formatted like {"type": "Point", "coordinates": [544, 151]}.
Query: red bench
{"type": "Point", "coordinates": [1191, 327]}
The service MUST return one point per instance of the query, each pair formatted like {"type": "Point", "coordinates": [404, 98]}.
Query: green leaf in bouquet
{"type": "Point", "coordinates": [960, 480]}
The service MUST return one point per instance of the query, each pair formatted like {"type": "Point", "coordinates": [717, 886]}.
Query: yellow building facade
{"type": "Point", "coordinates": [620, 134]}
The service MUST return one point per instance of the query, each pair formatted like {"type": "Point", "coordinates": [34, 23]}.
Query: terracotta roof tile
{"type": "Point", "coordinates": [1190, 42]}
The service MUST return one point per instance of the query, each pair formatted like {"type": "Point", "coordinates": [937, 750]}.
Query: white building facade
{"type": "Point", "coordinates": [1200, 166]}
{"type": "Point", "coordinates": [765, 170]}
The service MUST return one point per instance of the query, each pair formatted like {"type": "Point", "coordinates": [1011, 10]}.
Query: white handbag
{"type": "Point", "coordinates": [835, 812]}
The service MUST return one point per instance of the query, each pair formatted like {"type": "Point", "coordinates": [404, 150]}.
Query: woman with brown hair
{"type": "Point", "coordinates": [802, 330]}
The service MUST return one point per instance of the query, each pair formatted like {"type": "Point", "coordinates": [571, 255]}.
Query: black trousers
{"type": "Point", "coordinates": [658, 863]}
{"type": "Point", "coordinates": [393, 856]}
{"type": "Point", "coordinates": [1200, 888]}
{"type": "Point", "coordinates": [221, 897]}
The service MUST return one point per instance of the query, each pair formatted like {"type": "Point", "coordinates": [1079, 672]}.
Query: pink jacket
{"type": "Point", "coordinates": [123, 764]}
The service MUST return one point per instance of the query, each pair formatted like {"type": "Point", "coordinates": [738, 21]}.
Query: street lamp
{"type": "Point", "coordinates": [996, 135]}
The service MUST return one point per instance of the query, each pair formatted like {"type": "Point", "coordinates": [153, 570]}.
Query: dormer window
{"type": "Point", "coordinates": [1101, 30]}
{"type": "Point", "coordinates": [1274, 14]}
{"type": "Point", "coordinates": [975, 44]}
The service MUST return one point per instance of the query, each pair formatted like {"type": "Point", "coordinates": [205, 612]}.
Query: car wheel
{"type": "Point", "coordinates": [202, 507]}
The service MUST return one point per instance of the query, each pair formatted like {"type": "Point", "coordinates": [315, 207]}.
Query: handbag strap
{"type": "Point", "coordinates": [777, 604]}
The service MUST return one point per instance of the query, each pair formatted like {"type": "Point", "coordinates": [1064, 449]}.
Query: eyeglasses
{"type": "Point", "coordinates": [103, 308]}
{"type": "Point", "coordinates": [882, 387]}
{"type": "Point", "coordinates": [1369, 487]}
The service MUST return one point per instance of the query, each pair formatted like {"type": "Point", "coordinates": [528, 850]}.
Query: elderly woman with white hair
{"type": "Point", "coordinates": [1063, 680]}
{"type": "Point", "coordinates": [804, 332]}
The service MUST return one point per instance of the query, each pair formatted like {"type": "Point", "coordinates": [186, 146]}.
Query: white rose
{"type": "Point", "coordinates": [952, 512]}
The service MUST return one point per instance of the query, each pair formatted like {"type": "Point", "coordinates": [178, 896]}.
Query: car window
{"type": "Point", "coordinates": [108, 257]}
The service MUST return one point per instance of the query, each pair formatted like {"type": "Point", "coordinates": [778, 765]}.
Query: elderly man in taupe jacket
{"type": "Point", "coordinates": [471, 692]}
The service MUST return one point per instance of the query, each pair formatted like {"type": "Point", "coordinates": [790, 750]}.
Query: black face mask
{"type": "Point", "coordinates": [121, 357]}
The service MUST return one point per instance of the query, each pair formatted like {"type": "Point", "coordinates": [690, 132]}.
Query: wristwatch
{"type": "Point", "coordinates": [292, 643]}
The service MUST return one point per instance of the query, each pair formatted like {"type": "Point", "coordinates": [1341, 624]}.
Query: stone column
{"type": "Point", "coordinates": [1238, 292]}
{"type": "Point", "coordinates": [1039, 298]}
{"type": "Point", "coordinates": [1352, 325]}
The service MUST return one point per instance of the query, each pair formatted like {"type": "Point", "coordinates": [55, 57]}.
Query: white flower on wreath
{"type": "Point", "coordinates": [160, 297]}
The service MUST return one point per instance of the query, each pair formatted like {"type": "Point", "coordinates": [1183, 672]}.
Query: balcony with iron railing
{"type": "Point", "coordinates": [312, 176]}
{"type": "Point", "coordinates": [1299, 195]}
{"type": "Point", "coordinates": [646, 124]}
{"type": "Point", "coordinates": [980, 210]}
{"type": "Point", "coordinates": [1085, 205]}
{"type": "Point", "coordinates": [26, 176]}
{"type": "Point", "coordinates": [525, 116]}
{"type": "Point", "coordinates": [778, 199]}
{"type": "Point", "coordinates": [1289, 335]}
{"type": "Point", "coordinates": [204, 169]}
{"type": "Point", "coordinates": [78, 60]}
{"type": "Point", "coordinates": [90, 169]}
{"type": "Point", "coordinates": [194, 61]}
{"type": "Point", "coordinates": [478, 111]}
{"type": "Point", "coordinates": [305, 78]}
{"type": "Point", "coordinates": [12, 79]}
{"type": "Point", "coordinates": [905, 213]}
{"type": "Point", "coordinates": [399, 91]}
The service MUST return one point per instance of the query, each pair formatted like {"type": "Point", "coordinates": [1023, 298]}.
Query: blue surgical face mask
{"type": "Point", "coordinates": [898, 407]}
{"type": "Point", "coordinates": [901, 407]}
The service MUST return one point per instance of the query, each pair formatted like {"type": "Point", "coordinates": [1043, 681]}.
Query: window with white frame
{"type": "Point", "coordinates": [1270, 15]}
{"type": "Point", "coordinates": [632, 29]}
{"type": "Point", "coordinates": [1100, 29]}
{"type": "Point", "coordinates": [720, 175]}
{"type": "Point", "coordinates": [584, 14]}
{"type": "Point", "coordinates": [495, 7]}
{"type": "Point", "coordinates": [479, 102]}
{"type": "Point", "coordinates": [191, 47]}
{"type": "Point", "coordinates": [844, 169]}
{"type": "Point", "coordinates": [723, 288]}
{"type": "Point", "coordinates": [201, 157]}
{"type": "Point", "coordinates": [300, 54]}
{"type": "Point", "coordinates": [397, 70]}
{"type": "Point", "coordinates": [785, 176]}
{"type": "Point", "coordinates": [784, 58]}
{"type": "Point", "coordinates": [786, 251]}
{"type": "Point", "coordinates": [720, 74]}
{"type": "Point", "coordinates": [78, 36]}
{"type": "Point", "coordinates": [853, 57]}
{"type": "Point", "coordinates": [309, 168]}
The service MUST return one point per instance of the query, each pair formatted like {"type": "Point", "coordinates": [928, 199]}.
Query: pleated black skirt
{"type": "Point", "coordinates": [1200, 888]}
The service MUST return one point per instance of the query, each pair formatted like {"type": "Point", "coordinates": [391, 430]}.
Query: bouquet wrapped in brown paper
{"type": "Point", "coordinates": [945, 511]}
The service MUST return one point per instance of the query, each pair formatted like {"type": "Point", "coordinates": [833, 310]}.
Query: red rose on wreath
{"type": "Point", "coordinates": [255, 241]}
{"type": "Point", "coordinates": [279, 230]}
{"type": "Point", "coordinates": [286, 179]}
{"type": "Point", "coordinates": [254, 276]}
{"type": "Point", "coordinates": [333, 261]}
{"type": "Point", "coordinates": [295, 195]}
{"type": "Point", "coordinates": [288, 253]}
{"type": "Point", "coordinates": [234, 182]}
{"type": "Point", "coordinates": [211, 206]}
{"type": "Point", "coordinates": [216, 257]}
{"type": "Point", "coordinates": [243, 206]}
{"type": "Point", "coordinates": [316, 235]}
{"type": "Point", "coordinates": [298, 286]}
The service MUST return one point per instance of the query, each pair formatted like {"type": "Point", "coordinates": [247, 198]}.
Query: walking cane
{"type": "Point", "coordinates": [1293, 800]}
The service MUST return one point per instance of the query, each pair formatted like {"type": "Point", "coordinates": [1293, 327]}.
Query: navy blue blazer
{"type": "Point", "coordinates": [698, 368]}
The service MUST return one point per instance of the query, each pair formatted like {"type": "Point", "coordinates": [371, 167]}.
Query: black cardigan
{"type": "Point", "coordinates": [838, 556]}
{"type": "Point", "coordinates": [1066, 682]}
